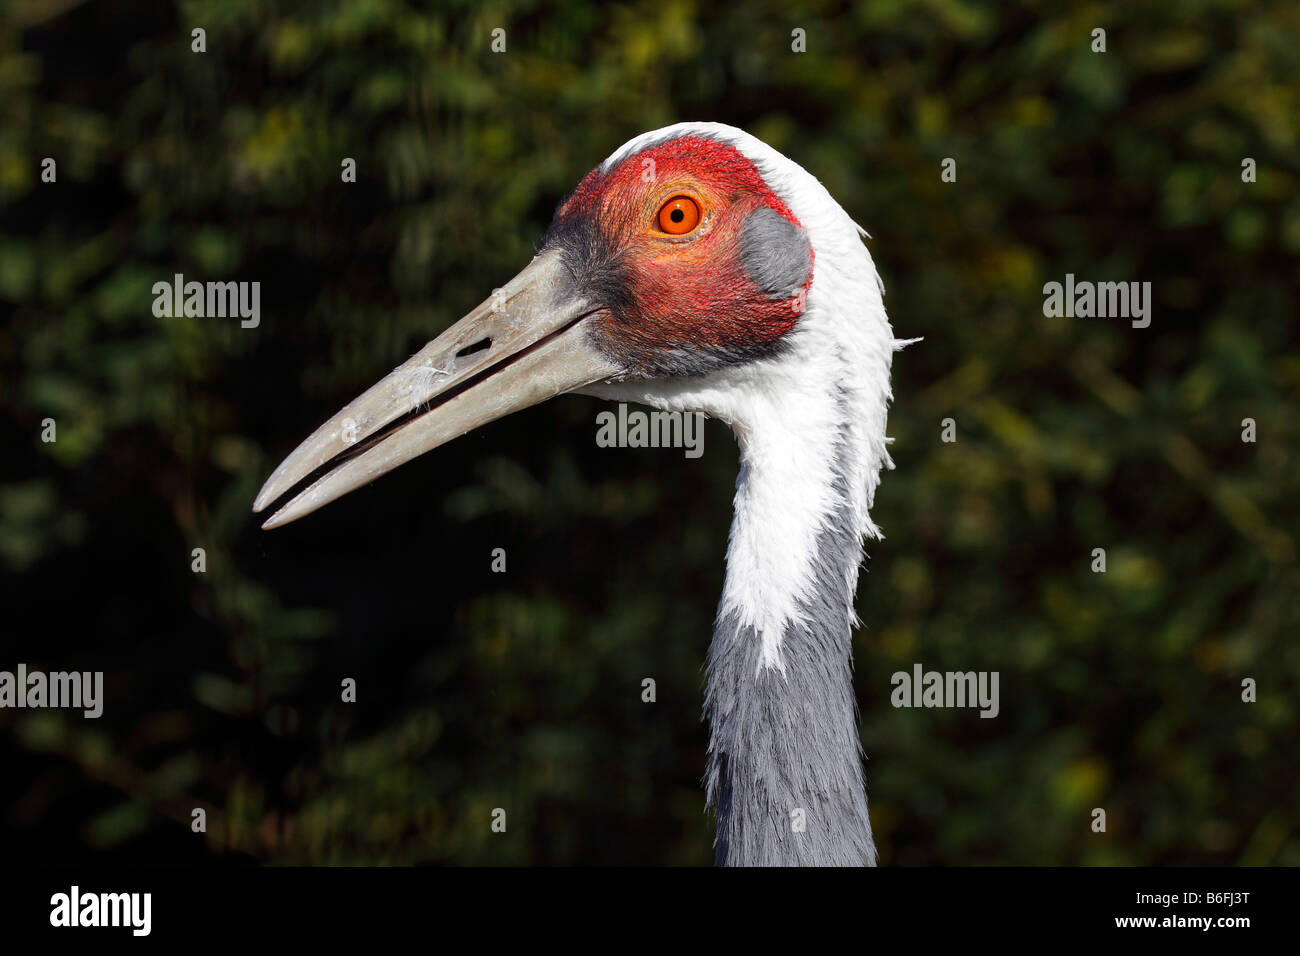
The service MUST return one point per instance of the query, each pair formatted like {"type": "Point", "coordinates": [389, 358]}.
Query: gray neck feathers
{"type": "Point", "coordinates": [784, 747]}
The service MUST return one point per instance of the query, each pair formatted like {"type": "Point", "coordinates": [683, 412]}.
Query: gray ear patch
{"type": "Point", "coordinates": [775, 253]}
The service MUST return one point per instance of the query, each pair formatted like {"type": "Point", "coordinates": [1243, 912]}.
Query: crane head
{"type": "Point", "coordinates": [671, 261]}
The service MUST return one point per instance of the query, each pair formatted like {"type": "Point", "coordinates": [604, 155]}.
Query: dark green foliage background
{"type": "Point", "coordinates": [522, 690]}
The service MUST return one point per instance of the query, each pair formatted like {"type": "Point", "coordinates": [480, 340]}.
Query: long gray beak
{"type": "Point", "coordinates": [527, 343]}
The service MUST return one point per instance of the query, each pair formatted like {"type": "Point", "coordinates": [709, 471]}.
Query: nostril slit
{"type": "Point", "coordinates": [478, 346]}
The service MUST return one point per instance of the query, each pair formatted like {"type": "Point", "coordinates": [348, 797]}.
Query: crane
{"type": "Point", "coordinates": [696, 269]}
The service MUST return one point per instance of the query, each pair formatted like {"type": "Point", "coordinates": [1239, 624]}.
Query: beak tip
{"type": "Point", "coordinates": [298, 507]}
{"type": "Point", "coordinates": [262, 501]}
{"type": "Point", "coordinates": [268, 494]}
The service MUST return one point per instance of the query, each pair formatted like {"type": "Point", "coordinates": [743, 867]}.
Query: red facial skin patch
{"type": "Point", "coordinates": [677, 295]}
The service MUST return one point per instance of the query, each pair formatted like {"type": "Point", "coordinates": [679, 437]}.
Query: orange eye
{"type": "Point", "coordinates": [679, 215]}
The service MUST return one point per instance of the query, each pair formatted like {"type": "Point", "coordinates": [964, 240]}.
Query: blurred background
{"type": "Point", "coordinates": [522, 690]}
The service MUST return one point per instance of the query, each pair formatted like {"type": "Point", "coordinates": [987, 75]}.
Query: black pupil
{"type": "Point", "coordinates": [677, 215]}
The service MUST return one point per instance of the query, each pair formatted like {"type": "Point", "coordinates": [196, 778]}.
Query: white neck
{"type": "Point", "coordinates": [783, 737]}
